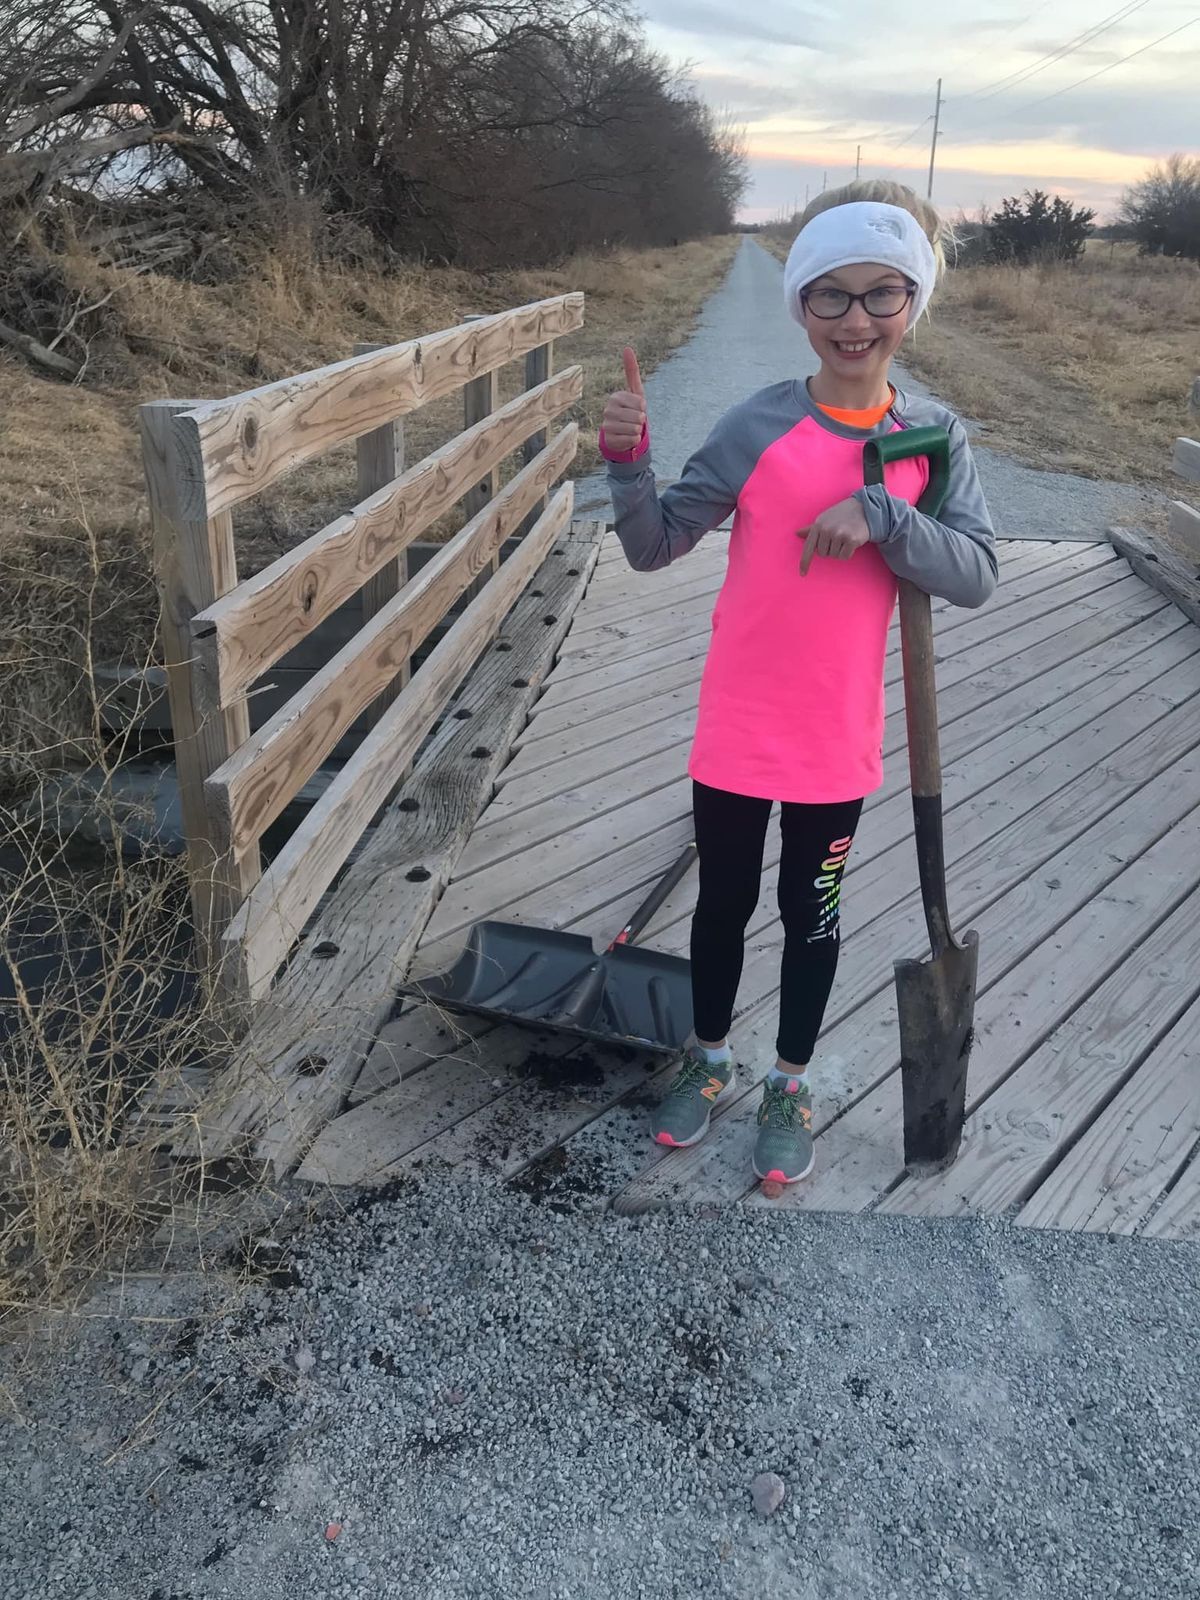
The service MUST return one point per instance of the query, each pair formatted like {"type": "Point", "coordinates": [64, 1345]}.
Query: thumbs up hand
{"type": "Point", "coordinates": [625, 410]}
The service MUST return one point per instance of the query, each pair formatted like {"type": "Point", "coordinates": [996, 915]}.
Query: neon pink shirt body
{"type": "Point", "coordinates": [791, 701]}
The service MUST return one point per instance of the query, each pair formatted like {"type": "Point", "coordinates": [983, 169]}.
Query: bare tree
{"type": "Point", "coordinates": [481, 131]}
{"type": "Point", "coordinates": [1162, 210]}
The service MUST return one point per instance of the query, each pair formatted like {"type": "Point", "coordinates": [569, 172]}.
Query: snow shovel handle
{"type": "Point", "coordinates": [920, 689]}
{"type": "Point", "coordinates": [677, 871]}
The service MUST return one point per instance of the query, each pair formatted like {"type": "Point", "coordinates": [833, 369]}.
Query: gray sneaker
{"type": "Point", "coordinates": [681, 1119]}
{"type": "Point", "coordinates": [783, 1151]}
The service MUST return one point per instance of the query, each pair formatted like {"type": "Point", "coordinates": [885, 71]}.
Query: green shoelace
{"type": "Point", "coordinates": [779, 1108]}
{"type": "Point", "coordinates": [691, 1075]}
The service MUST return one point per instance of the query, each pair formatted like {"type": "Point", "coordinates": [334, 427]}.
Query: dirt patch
{"type": "Point", "coordinates": [560, 1180]}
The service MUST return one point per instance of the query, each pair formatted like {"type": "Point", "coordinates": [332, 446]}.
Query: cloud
{"type": "Point", "coordinates": [748, 97]}
{"type": "Point", "coordinates": [780, 187]}
{"type": "Point", "coordinates": [1124, 119]}
{"type": "Point", "coordinates": [830, 117]}
{"type": "Point", "coordinates": [873, 83]}
{"type": "Point", "coordinates": [780, 24]}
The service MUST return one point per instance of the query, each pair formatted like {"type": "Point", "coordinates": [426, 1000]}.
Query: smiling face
{"type": "Point", "coordinates": [856, 348]}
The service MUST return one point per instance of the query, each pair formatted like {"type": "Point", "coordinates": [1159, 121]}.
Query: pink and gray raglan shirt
{"type": "Point", "coordinates": [791, 699]}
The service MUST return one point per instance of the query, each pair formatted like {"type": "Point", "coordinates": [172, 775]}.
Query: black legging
{"type": "Point", "coordinates": [731, 831]}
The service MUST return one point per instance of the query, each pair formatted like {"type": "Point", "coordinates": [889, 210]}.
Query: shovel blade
{"type": "Point", "coordinates": [936, 1004]}
{"type": "Point", "coordinates": [647, 998]}
{"type": "Point", "coordinates": [556, 980]}
{"type": "Point", "coordinates": [517, 973]}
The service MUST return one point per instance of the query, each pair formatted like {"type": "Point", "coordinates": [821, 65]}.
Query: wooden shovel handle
{"type": "Point", "coordinates": [920, 690]}
{"type": "Point", "coordinates": [924, 760]}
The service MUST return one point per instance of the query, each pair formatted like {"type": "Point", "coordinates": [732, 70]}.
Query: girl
{"type": "Point", "coordinates": [791, 700]}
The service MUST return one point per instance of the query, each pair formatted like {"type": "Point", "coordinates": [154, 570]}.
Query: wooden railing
{"type": "Point", "coordinates": [1174, 572]}
{"type": "Point", "coordinates": [1185, 521]}
{"type": "Point", "coordinates": [219, 636]}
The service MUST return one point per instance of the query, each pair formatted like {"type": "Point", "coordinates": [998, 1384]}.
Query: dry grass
{"type": "Point", "coordinates": [1083, 368]}
{"type": "Point", "coordinates": [102, 1001]}
{"type": "Point", "coordinates": [127, 1014]}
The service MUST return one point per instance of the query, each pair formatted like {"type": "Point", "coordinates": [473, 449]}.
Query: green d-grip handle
{"type": "Point", "coordinates": [934, 443]}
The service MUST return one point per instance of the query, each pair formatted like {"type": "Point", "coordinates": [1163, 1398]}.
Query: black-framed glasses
{"type": "Point", "coordinates": [886, 300]}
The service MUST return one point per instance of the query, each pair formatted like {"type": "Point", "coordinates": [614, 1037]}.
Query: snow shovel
{"type": "Point", "coordinates": [556, 980]}
{"type": "Point", "coordinates": [935, 998]}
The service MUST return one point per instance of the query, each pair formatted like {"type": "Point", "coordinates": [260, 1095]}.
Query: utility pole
{"type": "Point", "coordinates": [824, 180]}
{"type": "Point", "coordinates": [937, 117]}
{"type": "Point", "coordinates": [858, 165]}
{"type": "Point", "coordinates": [806, 188]}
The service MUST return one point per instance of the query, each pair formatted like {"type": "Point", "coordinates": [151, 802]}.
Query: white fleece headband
{"type": "Point", "coordinates": [849, 235]}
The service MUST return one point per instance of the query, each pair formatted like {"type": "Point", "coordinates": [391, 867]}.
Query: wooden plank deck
{"type": "Point", "coordinates": [1070, 711]}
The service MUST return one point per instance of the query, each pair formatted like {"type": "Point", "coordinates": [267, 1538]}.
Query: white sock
{"type": "Point", "coordinates": [716, 1058]}
{"type": "Point", "coordinates": [799, 1078]}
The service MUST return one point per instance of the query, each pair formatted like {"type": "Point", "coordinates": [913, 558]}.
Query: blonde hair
{"type": "Point", "coordinates": [884, 191]}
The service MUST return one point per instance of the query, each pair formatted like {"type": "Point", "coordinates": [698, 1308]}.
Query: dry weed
{"type": "Point", "coordinates": [102, 1007]}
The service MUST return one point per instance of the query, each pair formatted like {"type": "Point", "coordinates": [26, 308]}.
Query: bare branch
{"type": "Point", "coordinates": [18, 172]}
{"type": "Point", "coordinates": [38, 353]}
{"type": "Point", "coordinates": [56, 109]}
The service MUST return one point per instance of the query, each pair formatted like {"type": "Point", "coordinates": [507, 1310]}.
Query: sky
{"type": "Point", "coordinates": [811, 80]}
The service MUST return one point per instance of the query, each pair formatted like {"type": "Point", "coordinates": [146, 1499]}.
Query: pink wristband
{"type": "Point", "coordinates": [635, 454]}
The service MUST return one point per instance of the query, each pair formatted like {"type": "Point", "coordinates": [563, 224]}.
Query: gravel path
{"type": "Point", "coordinates": [455, 1394]}
{"type": "Point", "coordinates": [440, 1393]}
{"type": "Point", "coordinates": [745, 339]}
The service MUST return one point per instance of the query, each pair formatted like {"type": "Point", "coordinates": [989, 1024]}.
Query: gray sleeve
{"type": "Point", "coordinates": [655, 529]}
{"type": "Point", "coordinates": [954, 557]}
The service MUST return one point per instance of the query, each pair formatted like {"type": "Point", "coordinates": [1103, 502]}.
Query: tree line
{"type": "Point", "coordinates": [1160, 214]}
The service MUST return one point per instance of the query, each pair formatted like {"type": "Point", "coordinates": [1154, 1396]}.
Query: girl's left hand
{"type": "Point", "coordinates": [838, 532]}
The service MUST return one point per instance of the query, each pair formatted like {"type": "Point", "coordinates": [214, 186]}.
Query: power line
{"type": "Point", "coordinates": [1029, 105]}
{"type": "Point", "coordinates": [1021, 72]}
{"type": "Point", "coordinates": [1010, 80]}
{"type": "Point", "coordinates": [1059, 53]}
{"type": "Point", "coordinates": [909, 137]}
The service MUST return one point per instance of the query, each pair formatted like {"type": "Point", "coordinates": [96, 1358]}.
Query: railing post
{"type": "Point", "coordinates": [1184, 521]}
{"type": "Point", "coordinates": [194, 565]}
{"type": "Point", "coordinates": [539, 364]}
{"type": "Point", "coordinates": [380, 459]}
{"type": "Point", "coordinates": [479, 400]}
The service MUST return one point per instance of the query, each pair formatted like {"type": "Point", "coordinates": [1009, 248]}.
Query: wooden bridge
{"type": "Point", "coordinates": [534, 768]}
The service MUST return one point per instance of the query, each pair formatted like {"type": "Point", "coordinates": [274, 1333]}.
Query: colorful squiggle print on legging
{"type": "Point", "coordinates": [828, 883]}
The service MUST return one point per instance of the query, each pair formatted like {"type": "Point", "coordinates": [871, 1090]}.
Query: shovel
{"type": "Point", "coordinates": [935, 998]}
{"type": "Point", "coordinates": [556, 980]}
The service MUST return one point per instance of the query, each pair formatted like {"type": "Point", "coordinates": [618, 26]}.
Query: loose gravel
{"type": "Point", "coordinates": [451, 1392]}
